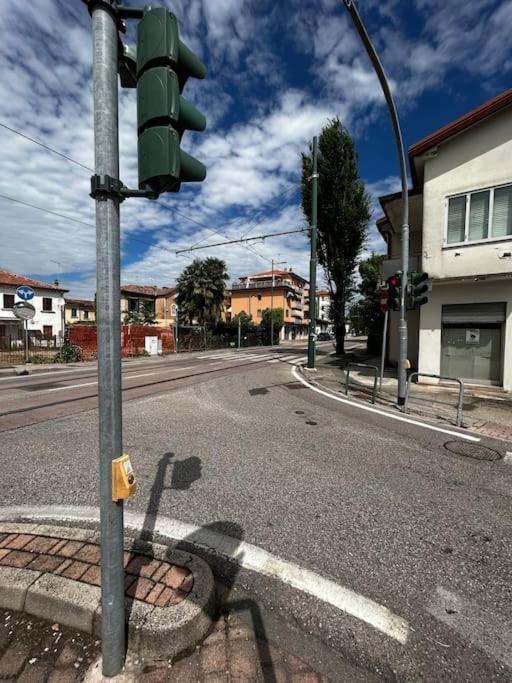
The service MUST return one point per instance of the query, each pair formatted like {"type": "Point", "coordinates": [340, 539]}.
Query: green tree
{"type": "Point", "coordinates": [365, 314]}
{"type": "Point", "coordinates": [200, 291]}
{"type": "Point", "coordinates": [343, 215]}
{"type": "Point", "coordinates": [266, 324]}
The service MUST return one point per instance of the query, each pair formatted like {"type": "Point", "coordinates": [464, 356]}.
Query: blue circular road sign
{"type": "Point", "coordinates": [25, 293]}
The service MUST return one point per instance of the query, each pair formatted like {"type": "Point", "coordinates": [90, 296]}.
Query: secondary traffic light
{"type": "Point", "coordinates": [164, 64]}
{"type": "Point", "coordinates": [418, 286]}
{"type": "Point", "coordinates": [394, 286]}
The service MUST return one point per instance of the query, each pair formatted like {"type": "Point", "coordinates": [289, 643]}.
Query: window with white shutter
{"type": "Point", "coordinates": [502, 212]}
{"type": "Point", "coordinates": [478, 216]}
{"type": "Point", "coordinates": [456, 220]}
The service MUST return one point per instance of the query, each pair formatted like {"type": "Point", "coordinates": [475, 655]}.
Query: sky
{"type": "Point", "coordinates": [277, 72]}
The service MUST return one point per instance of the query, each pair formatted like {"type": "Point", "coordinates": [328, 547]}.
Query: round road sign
{"type": "Point", "coordinates": [25, 293]}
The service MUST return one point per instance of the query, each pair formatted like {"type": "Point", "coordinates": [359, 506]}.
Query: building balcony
{"type": "Point", "coordinates": [260, 284]}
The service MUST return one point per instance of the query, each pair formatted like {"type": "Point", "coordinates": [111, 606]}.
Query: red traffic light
{"type": "Point", "coordinates": [393, 281]}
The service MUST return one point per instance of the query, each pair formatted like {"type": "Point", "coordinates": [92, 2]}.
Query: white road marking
{"type": "Point", "coordinates": [383, 413]}
{"type": "Point", "coordinates": [246, 555]}
{"type": "Point", "coordinates": [124, 378]}
{"type": "Point", "coordinates": [487, 630]}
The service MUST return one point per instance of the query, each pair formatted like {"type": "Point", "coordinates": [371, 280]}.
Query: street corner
{"type": "Point", "coordinates": [54, 573]}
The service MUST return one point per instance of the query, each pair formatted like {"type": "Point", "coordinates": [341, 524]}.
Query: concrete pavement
{"type": "Point", "coordinates": [390, 512]}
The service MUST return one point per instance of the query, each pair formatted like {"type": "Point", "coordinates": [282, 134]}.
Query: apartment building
{"type": "Point", "coordinates": [461, 234]}
{"type": "Point", "coordinates": [284, 289]}
{"type": "Point", "coordinates": [158, 301]}
{"type": "Point", "coordinates": [80, 311]}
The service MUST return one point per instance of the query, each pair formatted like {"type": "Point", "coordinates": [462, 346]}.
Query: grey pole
{"type": "Point", "coordinates": [272, 308]}
{"type": "Point", "coordinates": [402, 372]}
{"type": "Point", "coordinates": [26, 341]}
{"type": "Point", "coordinates": [312, 261]}
{"type": "Point", "coordinates": [176, 327]}
{"type": "Point", "coordinates": [384, 339]}
{"type": "Point", "coordinates": [106, 149]}
{"type": "Point", "coordinates": [239, 331]}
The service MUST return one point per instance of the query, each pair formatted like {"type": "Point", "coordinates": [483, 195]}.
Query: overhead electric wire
{"type": "Point", "coordinates": [241, 239]}
{"type": "Point", "coordinates": [160, 203]}
{"type": "Point", "coordinates": [47, 147]}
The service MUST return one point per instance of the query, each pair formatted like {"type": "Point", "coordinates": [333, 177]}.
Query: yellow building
{"type": "Point", "coordinates": [79, 311]}
{"type": "Point", "coordinates": [157, 300]}
{"type": "Point", "coordinates": [252, 294]}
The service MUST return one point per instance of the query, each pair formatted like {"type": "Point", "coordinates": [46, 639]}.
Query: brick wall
{"type": "Point", "coordinates": [132, 339]}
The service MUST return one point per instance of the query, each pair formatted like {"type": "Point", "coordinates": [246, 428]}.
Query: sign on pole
{"type": "Point", "coordinates": [384, 301]}
{"type": "Point", "coordinates": [25, 293]}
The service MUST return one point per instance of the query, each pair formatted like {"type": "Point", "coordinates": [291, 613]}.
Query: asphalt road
{"type": "Point", "coordinates": [392, 511]}
{"type": "Point", "coordinates": [29, 399]}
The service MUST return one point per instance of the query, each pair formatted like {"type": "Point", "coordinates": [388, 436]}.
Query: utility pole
{"type": "Point", "coordinates": [274, 263]}
{"type": "Point", "coordinates": [379, 70]}
{"type": "Point", "coordinates": [106, 150]}
{"type": "Point", "coordinates": [239, 331]}
{"type": "Point", "coordinates": [312, 260]}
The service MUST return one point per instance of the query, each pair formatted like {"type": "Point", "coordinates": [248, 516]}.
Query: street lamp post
{"type": "Point", "coordinates": [402, 373]}
{"type": "Point", "coordinates": [274, 263]}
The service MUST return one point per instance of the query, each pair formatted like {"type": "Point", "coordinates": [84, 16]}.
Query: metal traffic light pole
{"type": "Point", "coordinates": [312, 261]}
{"type": "Point", "coordinates": [402, 372]}
{"type": "Point", "coordinates": [106, 150]}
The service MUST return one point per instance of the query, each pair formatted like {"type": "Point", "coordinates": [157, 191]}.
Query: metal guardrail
{"type": "Point", "coordinates": [362, 365]}
{"type": "Point", "coordinates": [446, 379]}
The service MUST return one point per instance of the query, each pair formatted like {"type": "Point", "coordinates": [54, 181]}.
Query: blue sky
{"type": "Point", "coordinates": [276, 73]}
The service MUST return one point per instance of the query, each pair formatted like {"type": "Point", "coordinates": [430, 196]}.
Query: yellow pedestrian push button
{"type": "Point", "coordinates": [123, 478]}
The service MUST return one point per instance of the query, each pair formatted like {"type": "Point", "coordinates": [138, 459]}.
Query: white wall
{"type": "Point", "coordinates": [476, 159]}
{"type": "Point", "coordinates": [462, 293]}
{"type": "Point", "coordinates": [41, 318]}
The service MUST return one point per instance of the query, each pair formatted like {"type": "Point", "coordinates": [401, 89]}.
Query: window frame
{"type": "Point", "coordinates": [47, 310]}
{"type": "Point", "coordinates": [74, 313]}
{"type": "Point", "coordinates": [467, 195]}
{"type": "Point", "coordinates": [5, 307]}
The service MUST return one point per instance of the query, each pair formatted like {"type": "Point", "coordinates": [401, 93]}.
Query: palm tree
{"type": "Point", "coordinates": [200, 291]}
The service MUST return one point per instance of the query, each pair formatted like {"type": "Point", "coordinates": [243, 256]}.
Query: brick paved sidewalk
{"type": "Point", "coordinates": [34, 651]}
{"type": "Point", "coordinates": [146, 579]}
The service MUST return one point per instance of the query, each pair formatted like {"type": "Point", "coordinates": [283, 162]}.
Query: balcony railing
{"type": "Point", "coordinates": [261, 284]}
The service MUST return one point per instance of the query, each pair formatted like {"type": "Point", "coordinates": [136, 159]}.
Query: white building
{"type": "Point", "coordinates": [323, 307]}
{"type": "Point", "coordinates": [48, 302]}
{"type": "Point", "coordinates": [461, 235]}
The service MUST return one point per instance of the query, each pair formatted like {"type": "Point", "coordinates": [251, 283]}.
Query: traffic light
{"type": "Point", "coordinates": [394, 286]}
{"type": "Point", "coordinates": [164, 64]}
{"type": "Point", "coordinates": [418, 286]}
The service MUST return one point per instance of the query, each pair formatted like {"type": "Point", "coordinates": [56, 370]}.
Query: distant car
{"type": "Point", "coordinates": [324, 336]}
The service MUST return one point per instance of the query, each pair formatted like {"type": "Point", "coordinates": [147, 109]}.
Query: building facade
{"type": "Point", "coordinates": [48, 301]}
{"type": "Point", "coordinates": [156, 301]}
{"type": "Point", "coordinates": [80, 311]}
{"type": "Point", "coordinates": [323, 307]}
{"type": "Point", "coordinates": [284, 289]}
{"type": "Point", "coordinates": [461, 235]}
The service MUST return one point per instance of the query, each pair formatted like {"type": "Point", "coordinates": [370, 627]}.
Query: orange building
{"type": "Point", "coordinates": [252, 294]}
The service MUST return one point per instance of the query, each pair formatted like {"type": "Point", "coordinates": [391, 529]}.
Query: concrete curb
{"type": "Point", "coordinates": [152, 631]}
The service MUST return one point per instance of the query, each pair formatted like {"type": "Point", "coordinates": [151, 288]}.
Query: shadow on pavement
{"type": "Point", "coordinates": [224, 561]}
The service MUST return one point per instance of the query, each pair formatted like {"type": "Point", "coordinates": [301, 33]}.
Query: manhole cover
{"type": "Point", "coordinates": [260, 391]}
{"type": "Point", "coordinates": [472, 450]}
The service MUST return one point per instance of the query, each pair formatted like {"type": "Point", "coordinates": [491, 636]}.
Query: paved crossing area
{"type": "Point", "coordinates": [247, 357]}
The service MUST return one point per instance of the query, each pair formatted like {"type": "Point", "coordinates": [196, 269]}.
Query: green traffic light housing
{"type": "Point", "coordinates": [164, 64]}
{"type": "Point", "coordinates": [394, 283]}
{"type": "Point", "coordinates": [419, 285]}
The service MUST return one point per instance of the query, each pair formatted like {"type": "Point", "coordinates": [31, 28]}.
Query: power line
{"type": "Point", "coordinates": [176, 211]}
{"type": "Point", "coordinates": [242, 239]}
{"type": "Point", "coordinates": [47, 147]}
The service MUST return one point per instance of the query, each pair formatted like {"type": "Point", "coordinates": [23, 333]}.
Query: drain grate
{"type": "Point", "coordinates": [471, 450]}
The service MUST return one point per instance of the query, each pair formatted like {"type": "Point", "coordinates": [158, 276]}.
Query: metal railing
{"type": "Point", "coordinates": [445, 379]}
{"type": "Point", "coordinates": [362, 365]}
